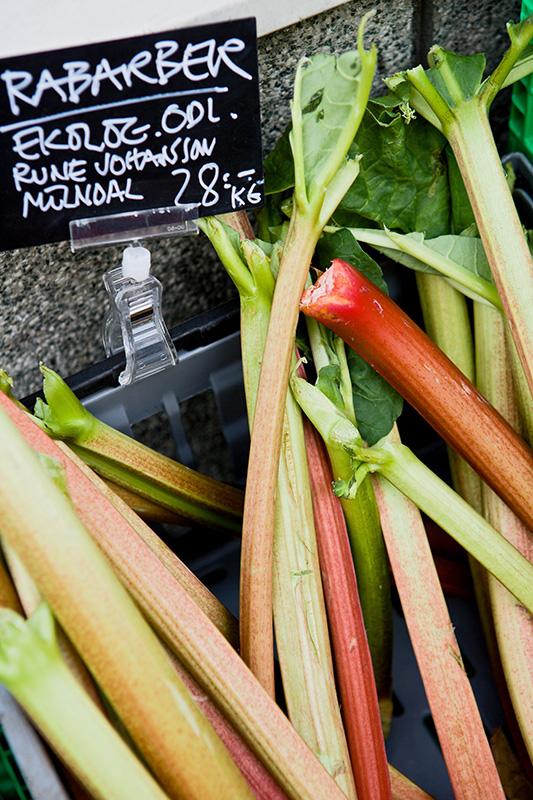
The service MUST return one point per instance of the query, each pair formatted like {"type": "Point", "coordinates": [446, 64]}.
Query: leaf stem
{"type": "Point", "coordinates": [298, 605]}
{"type": "Point", "coordinates": [520, 38]}
{"type": "Point", "coordinates": [447, 267]}
{"type": "Point", "coordinates": [256, 636]}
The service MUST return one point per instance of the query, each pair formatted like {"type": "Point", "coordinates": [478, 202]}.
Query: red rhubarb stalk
{"type": "Point", "coordinates": [373, 325]}
{"type": "Point", "coordinates": [353, 662]}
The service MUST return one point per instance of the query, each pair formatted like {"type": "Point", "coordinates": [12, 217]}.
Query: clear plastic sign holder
{"type": "Point", "coordinates": [134, 323]}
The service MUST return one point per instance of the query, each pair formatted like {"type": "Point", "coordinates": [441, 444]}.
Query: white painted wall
{"type": "Point", "coordinates": [29, 26]}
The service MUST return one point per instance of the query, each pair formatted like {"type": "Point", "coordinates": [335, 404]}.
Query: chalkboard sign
{"type": "Point", "coordinates": [153, 121]}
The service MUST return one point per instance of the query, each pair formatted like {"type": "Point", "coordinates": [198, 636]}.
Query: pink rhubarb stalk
{"type": "Point", "coordinates": [373, 325]}
{"type": "Point", "coordinates": [353, 662]}
{"type": "Point", "coordinates": [453, 707]}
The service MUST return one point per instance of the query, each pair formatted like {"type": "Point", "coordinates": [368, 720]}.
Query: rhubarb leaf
{"type": "Point", "coordinates": [326, 108]}
{"type": "Point", "coordinates": [457, 78]}
{"type": "Point", "coordinates": [402, 182]}
{"type": "Point", "coordinates": [342, 244]}
{"type": "Point", "coordinates": [329, 382]}
{"type": "Point", "coordinates": [377, 404]}
{"type": "Point", "coordinates": [462, 216]}
{"type": "Point", "coordinates": [279, 166]}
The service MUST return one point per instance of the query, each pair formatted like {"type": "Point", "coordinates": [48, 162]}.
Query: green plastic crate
{"type": "Point", "coordinates": [12, 786]}
{"type": "Point", "coordinates": [521, 117]}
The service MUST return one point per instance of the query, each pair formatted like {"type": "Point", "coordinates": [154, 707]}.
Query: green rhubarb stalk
{"type": "Point", "coordinates": [513, 625]}
{"type": "Point", "coordinates": [447, 687]}
{"type": "Point", "coordinates": [145, 508]}
{"type": "Point", "coordinates": [106, 627]}
{"type": "Point", "coordinates": [330, 95]}
{"type": "Point", "coordinates": [130, 464]}
{"type": "Point", "coordinates": [452, 96]}
{"type": "Point", "coordinates": [523, 397]}
{"type": "Point", "coordinates": [447, 323]}
{"type": "Point", "coordinates": [298, 604]}
{"type": "Point", "coordinates": [364, 529]}
{"type": "Point", "coordinates": [32, 668]}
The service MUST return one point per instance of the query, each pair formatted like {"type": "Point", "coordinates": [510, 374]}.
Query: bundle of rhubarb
{"type": "Point", "coordinates": [140, 680]}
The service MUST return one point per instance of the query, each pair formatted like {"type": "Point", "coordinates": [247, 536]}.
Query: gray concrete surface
{"type": "Point", "coordinates": [53, 302]}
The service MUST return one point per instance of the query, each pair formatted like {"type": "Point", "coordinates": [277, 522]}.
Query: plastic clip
{"type": "Point", "coordinates": [135, 322]}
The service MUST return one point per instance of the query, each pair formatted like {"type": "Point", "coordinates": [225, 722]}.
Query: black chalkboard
{"type": "Point", "coordinates": [147, 122]}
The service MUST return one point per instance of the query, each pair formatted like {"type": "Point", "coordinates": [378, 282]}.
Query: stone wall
{"type": "Point", "coordinates": [53, 302]}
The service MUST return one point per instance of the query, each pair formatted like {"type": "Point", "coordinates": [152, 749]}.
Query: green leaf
{"type": "Point", "coordinates": [329, 383]}
{"type": "Point", "coordinates": [402, 182]}
{"type": "Point", "coordinates": [457, 78]}
{"type": "Point", "coordinates": [279, 167]}
{"type": "Point", "coordinates": [462, 216]}
{"type": "Point", "coordinates": [329, 103]}
{"type": "Point", "coordinates": [464, 250]}
{"type": "Point", "coordinates": [377, 404]}
{"type": "Point", "coordinates": [343, 245]}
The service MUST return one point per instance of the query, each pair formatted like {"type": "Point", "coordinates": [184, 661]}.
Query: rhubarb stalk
{"type": "Point", "coordinates": [453, 707]}
{"type": "Point", "coordinates": [352, 655]}
{"type": "Point", "coordinates": [513, 625]}
{"type": "Point", "coordinates": [453, 97]}
{"type": "Point", "coordinates": [135, 542]}
{"type": "Point", "coordinates": [107, 629]}
{"type": "Point", "coordinates": [330, 95]}
{"type": "Point", "coordinates": [447, 323]}
{"type": "Point", "coordinates": [372, 324]}
{"type": "Point", "coordinates": [32, 669]}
